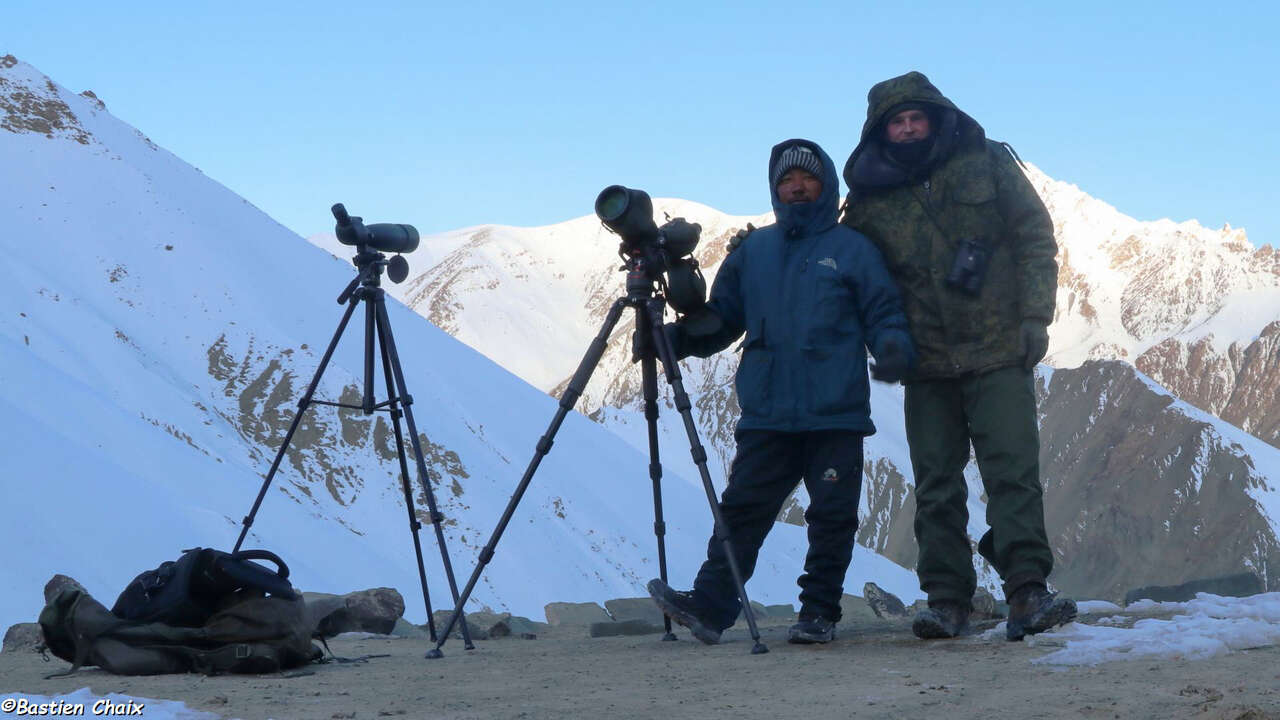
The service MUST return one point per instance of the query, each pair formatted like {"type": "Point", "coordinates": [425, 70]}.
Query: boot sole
{"type": "Point", "coordinates": [802, 638]}
{"type": "Point", "coordinates": [703, 633]}
{"type": "Point", "coordinates": [930, 630]}
{"type": "Point", "coordinates": [1060, 612]}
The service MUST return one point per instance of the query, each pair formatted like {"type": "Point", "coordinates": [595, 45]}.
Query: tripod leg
{"type": "Point", "coordinates": [370, 320]}
{"type": "Point", "coordinates": [567, 401]}
{"type": "Point", "coordinates": [297, 418]}
{"type": "Point", "coordinates": [414, 524]}
{"type": "Point", "coordinates": [389, 343]}
{"type": "Point", "coordinates": [672, 368]}
{"type": "Point", "coordinates": [649, 381]}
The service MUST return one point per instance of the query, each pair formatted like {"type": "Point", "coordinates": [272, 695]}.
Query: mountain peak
{"type": "Point", "coordinates": [32, 103]}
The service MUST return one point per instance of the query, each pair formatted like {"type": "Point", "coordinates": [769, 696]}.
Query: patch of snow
{"type": "Point", "coordinates": [1097, 607]}
{"type": "Point", "coordinates": [1214, 626]}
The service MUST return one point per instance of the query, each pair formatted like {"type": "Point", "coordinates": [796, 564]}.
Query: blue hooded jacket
{"type": "Point", "coordinates": [811, 296]}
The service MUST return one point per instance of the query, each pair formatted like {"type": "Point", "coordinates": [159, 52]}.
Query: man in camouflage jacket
{"type": "Point", "coordinates": [971, 247]}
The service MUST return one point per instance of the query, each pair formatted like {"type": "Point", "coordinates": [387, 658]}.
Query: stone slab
{"type": "Point", "coordinates": [854, 609]}
{"type": "Point", "coordinates": [783, 610]}
{"type": "Point", "coordinates": [760, 610]}
{"type": "Point", "coordinates": [634, 609]}
{"type": "Point", "coordinates": [562, 613]}
{"type": "Point", "coordinates": [616, 628]}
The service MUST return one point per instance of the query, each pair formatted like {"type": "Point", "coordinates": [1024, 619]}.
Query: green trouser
{"type": "Point", "coordinates": [997, 412]}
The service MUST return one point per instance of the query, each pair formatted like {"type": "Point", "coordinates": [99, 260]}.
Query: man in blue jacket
{"type": "Point", "coordinates": [811, 296]}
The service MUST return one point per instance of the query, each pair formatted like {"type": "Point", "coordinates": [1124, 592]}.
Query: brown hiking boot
{"type": "Point", "coordinates": [942, 619]}
{"type": "Point", "coordinates": [1033, 609]}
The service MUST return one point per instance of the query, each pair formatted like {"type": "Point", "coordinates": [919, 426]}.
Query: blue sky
{"type": "Point", "coordinates": [519, 113]}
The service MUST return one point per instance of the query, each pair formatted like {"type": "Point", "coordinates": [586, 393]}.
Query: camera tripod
{"type": "Point", "coordinates": [649, 345]}
{"type": "Point", "coordinates": [366, 287]}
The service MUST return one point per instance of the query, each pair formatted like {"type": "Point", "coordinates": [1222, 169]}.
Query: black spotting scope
{"type": "Point", "coordinates": [629, 213]}
{"type": "Point", "coordinates": [385, 237]}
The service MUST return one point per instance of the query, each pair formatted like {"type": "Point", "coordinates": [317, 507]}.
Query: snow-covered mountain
{"type": "Point", "coordinates": [157, 334]}
{"type": "Point", "coordinates": [1196, 309]}
{"type": "Point", "coordinates": [1128, 290]}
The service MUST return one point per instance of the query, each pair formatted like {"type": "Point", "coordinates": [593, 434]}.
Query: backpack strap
{"type": "Point", "coordinates": [242, 572]}
{"type": "Point", "coordinates": [1009, 149]}
{"type": "Point", "coordinates": [344, 660]}
{"type": "Point", "coordinates": [281, 568]}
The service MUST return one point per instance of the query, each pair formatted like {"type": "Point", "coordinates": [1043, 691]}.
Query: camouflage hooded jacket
{"type": "Point", "coordinates": [969, 188]}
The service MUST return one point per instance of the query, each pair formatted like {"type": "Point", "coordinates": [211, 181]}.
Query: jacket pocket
{"type": "Point", "coordinates": [753, 381]}
{"type": "Point", "coordinates": [836, 379]}
{"type": "Point", "coordinates": [974, 212]}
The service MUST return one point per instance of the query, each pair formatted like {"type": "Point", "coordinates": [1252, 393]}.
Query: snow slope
{"type": "Point", "coordinates": [157, 333]}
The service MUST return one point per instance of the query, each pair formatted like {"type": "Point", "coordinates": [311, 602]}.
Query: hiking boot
{"type": "Point", "coordinates": [1033, 609]}
{"type": "Point", "coordinates": [812, 630]}
{"type": "Point", "coordinates": [681, 607]}
{"type": "Point", "coordinates": [942, 619]}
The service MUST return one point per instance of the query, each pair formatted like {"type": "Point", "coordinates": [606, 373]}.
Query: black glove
{"type": "Point", "coordinates": [891, 362]}
{"type": "Point", "coordinates": [739, 236]}
{"type": "Point", "coordinates": [1033, 342]}
{"type": "Point", "coordinates": [695, 333]}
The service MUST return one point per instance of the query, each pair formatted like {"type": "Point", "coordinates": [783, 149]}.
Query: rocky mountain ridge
{"type": "Point", "coordinates": [1196, 309]}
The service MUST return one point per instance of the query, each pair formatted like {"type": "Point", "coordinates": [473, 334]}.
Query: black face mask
{"type": "Point", "coordinates": [909, 154]}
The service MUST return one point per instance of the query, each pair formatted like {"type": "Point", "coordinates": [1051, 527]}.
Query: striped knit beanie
{"type": "Point", "coordinates": [795, 156]}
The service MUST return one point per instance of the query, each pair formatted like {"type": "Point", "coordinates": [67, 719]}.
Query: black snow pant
{"type": "Point", "coordinates": [765, 470]}
{"type": "Point", "coordinates": [996, 411]}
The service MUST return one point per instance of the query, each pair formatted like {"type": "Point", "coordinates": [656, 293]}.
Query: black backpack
{"type": "Point", "coordinates": [187, 591]}
{"type": "Point", "coordinates": [208, 611]}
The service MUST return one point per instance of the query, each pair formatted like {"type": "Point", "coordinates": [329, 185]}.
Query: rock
{"type": "Point", "coordinates": [758, 609]}
{"type": "Point", "coordinates": [522, 626]}
{"type": "Point", "coordinates": [883, 603]}
{"type": "Point", "coordinates": [634, 609]}
{"type": "Point", "coordinates": [486, 625]}
{"type": "Point", "coordinates": [1238, 585]}
{"type": "Point", "coordinates": [478, 623]}
{"type": "Point", "coordinates": [23, 636]}
{"type": "Point", "coordinates": [560, 613]}
{"type": "Point", "coordinates": [406, 629]}
{"type": "Point", "coordinates": [320, 605]}
{"type": "Point", "coordinates": [56, 584]}
{"type": "Point", "coordinates": [615, 628]}
{"type": "Point", "coordinates": [854, 609]}
{"type": "Point", "coordinates": [499, 628]}
{"type": "Point", "coordinates": [489, 624]}
{"type": "Point", "coordinates": [375, 610]}
{"type": "Point", "coordinates": [923, 604]}
{"type": "Point", "coordinates": [784, 610]}
{"type": "Point", "coordinates": [984, 605]}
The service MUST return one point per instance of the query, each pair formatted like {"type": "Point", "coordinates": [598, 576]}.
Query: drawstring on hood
{"type": "Point", "coordinates": [809, 218]}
